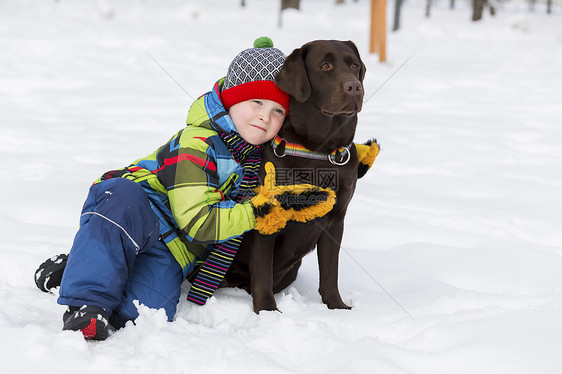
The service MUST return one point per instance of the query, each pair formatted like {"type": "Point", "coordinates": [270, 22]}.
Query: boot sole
{"type": "Point", "coordinates": [94, 326]}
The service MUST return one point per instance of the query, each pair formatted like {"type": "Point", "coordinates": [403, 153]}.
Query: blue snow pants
{"type": "Point", "coordinates": [117, 256]}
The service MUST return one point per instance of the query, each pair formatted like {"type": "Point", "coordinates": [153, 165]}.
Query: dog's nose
{"type": "Point", "coordinates": [352, 87]}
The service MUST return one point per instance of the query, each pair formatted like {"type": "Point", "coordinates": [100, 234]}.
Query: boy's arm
{"type": "Point", "coordinates": [366, 154]}
{"type": "Point", "coordinates": [199, 208]}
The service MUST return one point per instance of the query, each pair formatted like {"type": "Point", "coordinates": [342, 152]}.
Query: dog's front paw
{"type": "Point", "coordinates": [266, 304]}
{"type": "Point", "coordinates": [337, 305]}
{"type": "Point", "coordinates": [333, 300]}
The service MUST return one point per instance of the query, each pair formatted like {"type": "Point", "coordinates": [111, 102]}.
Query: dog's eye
{"type": "Point", "coordinates": [326, 66]}
{"type": "Point", "coordinates": [355, 66]}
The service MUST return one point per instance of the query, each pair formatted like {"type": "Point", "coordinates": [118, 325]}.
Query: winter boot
{"type": "Point", "coordinates": [49, 274]}
{"type": "Point", "coordinates": [91, 320]}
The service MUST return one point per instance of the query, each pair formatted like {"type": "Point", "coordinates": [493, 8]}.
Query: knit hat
{"type": "Point", "coordinates": [251, 75]}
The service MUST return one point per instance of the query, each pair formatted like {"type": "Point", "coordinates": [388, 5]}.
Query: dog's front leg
{"type": "Point", "coordinates": [261, 274]}
{"type": "Point", "coordinates": [328, 255]}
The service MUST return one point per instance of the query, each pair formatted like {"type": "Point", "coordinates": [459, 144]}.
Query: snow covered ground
{"type": "Point", "coordinates": [452, 255]}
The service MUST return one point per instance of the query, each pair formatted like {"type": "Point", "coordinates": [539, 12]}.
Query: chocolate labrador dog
{"type": "Point", "coordinates": [315, 146]}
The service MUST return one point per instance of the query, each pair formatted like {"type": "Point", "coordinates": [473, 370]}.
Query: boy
{"type": "Point", "coordinates": [144, 228]}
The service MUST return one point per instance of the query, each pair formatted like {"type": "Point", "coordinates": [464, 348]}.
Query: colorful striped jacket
{"type": "Point", "coordinates": [191, 181]}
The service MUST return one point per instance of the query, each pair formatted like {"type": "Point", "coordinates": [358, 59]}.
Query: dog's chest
{"type": "Point", "coordinates": [298, 239]}
{"type": "Point", "coordinates": [291, 170]}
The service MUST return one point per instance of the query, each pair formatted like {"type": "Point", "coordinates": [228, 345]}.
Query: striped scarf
{"type": "Point", "coordinates": [212, 272]}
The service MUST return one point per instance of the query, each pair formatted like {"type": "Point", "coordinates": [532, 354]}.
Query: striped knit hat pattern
{"type": "Point", "coordinates": [251, 75]}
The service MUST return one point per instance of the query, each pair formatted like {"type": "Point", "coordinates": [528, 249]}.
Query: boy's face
{"type": "Point", "coordinates": [257, 120]}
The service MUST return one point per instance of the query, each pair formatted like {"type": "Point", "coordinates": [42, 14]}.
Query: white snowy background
{"type": "Point", "coordinates": [459, 220]}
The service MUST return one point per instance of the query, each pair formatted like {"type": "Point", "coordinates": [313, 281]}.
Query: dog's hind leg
{"type": "Point", "coordinates": [288, 278]}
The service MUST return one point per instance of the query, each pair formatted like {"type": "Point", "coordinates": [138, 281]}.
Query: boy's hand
{"type": "Point", "coordinates": [366, 154]}
{"type": "Point", "coordinates": [275, 205]}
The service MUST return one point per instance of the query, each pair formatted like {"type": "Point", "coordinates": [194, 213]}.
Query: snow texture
{"type": "Point", "coordinates": [452, 253]}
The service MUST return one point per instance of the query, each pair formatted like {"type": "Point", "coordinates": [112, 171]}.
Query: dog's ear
{"type": "Point", "coordinates": [363, 68]}
{"type": "Point", "coordinates": [293, 78]}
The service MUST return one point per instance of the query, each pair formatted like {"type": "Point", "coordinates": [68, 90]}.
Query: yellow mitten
{"type": "Point", "coordinates": [275, 205]}
{"type": "Point", "coordinates": [366, 153]}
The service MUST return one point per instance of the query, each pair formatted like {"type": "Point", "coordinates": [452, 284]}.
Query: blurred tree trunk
{"type": "Point", "coordinates": [243, 2]}
{"type": "Point", "coordinates": [549, 6]}
{"type": "Point", "coordinates": [452, 4]}
{"type": "Point", "coordinates": [477, 7]}
{"type": "Point", "coordinates": [427, 8]}
{"type": "Point", "coordinates": [340, 1]}
{"type": "Point", "coordinates": [397, 7]}
{"type": "Point", "coordinates": [492, 7]}
{"type": "Point", "coordinates": [286, 4]}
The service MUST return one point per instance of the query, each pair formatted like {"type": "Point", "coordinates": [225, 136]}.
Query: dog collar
{"type": "Point", "coordinates": [297, 150]}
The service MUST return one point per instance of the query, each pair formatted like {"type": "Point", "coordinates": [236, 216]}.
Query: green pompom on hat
{"type": "Point", "coordinates": [263, 42]}
{"type": "Point", "coordinates": [251, 75]}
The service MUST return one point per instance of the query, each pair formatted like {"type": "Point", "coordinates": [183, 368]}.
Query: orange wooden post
{"type": "Point", "coordinates": [378, 29]}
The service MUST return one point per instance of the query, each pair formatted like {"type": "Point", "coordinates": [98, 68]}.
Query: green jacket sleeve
{"type": "Point", "coordinates": [196, 201]}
